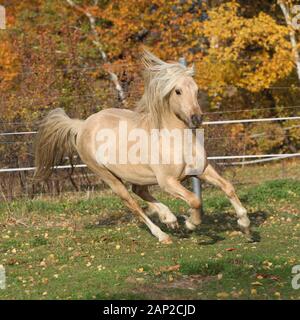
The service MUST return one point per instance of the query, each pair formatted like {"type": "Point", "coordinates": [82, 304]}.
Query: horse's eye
{"type": "Point", "coordinates": [178, 92]}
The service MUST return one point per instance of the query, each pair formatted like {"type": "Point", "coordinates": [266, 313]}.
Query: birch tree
{"type": "Point", "coordinates": [290, 12]}
{"type": "Point", "coordinates": [99, 45]}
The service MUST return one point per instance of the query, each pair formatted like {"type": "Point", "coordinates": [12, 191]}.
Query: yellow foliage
{"type": "Point", "coordinates": [250, 53]}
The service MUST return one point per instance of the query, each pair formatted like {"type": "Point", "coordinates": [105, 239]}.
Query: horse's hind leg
{"type": "Point", "coordinates": [211, 175]}
{"type": "Point", "coordinates": [118, 187]}
{"type": "Point", "coordinates": [154, 206]}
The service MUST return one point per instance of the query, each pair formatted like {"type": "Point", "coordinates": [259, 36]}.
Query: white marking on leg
{"type": "Point", "coordinates": [193, 220]}
{"type": "Point", "coordinates": [241, 212]}
{"type": "Point", "coordinates": [164, 213]}
{"type": "Point", "coordinates": [155, 230]}
{"type": "Point", "coordinates": [150, 210]}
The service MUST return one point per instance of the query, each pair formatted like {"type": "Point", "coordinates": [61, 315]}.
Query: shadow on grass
{"type": "Point", "coordinates": [216, 223]}
{"type": "Point", "coordinates": [211, 227]}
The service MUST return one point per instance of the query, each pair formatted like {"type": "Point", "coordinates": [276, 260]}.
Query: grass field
{"type": "Point", "coordinates": [78, 248]}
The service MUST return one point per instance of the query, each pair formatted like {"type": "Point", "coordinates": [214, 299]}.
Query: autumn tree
{"type": "Point", "coordinates": [243, 52]}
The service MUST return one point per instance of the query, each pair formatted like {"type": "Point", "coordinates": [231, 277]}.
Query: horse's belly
{"type": "Point", "coordinates": [136, 174]}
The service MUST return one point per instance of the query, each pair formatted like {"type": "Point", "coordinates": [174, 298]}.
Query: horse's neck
{"type": "Point", "coordinates": [173, 122]}
{"type": "Point", "coordinates": [169, 122]}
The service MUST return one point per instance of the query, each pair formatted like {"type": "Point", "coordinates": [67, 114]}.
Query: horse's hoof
{"type": "Point", "coordinates": [250, 237]}
{"type": "Point", "coordinates": [190, 226]}
{"type": "Point", "coordinates": [253, 237]}
{"type": "Point", "coordinates": [246, 231]}
{"type": "Point", "coordinates": [167, 240]}
{"type": "Point", "coordinates": [173, 225]}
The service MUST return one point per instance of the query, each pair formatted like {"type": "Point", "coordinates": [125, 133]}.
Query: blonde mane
{"type": "Point", "coordinates": [160, 79]}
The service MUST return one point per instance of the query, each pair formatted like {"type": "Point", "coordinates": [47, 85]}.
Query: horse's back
{"type": "Point", "coordinates": [101, 123]}
{"type": "Point", "coordinates": [112, 113]}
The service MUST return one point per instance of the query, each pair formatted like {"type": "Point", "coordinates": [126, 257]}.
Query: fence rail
{"type": "Point", "coordinates": [268, 156]}
{"type": "Point", "coordinates": [249, 120]}
{"type": "Point", "coordinates": [204, 123]}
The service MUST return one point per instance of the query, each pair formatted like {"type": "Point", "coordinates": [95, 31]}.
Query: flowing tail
{"type": "Point", "coordinates": [56, 139]}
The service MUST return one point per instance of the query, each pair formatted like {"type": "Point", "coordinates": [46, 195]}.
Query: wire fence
{"type": "Point", "coordinates": [225, 137]}
{"type": "Point", "coordinates": [131, 64]}
{"type": "Point", "coordinates": [219, 122]}
{"type": "Point", "coordinates": [268, 157]}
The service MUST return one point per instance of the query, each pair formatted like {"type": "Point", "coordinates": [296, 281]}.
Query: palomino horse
{"type": "Point", "coordinates": [169, 102]}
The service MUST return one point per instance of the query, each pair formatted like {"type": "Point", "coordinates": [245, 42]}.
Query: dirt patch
{"type": "Point", "coordinates": [192, 282]}
{"type": "Point", "coordinates": [167, 289]}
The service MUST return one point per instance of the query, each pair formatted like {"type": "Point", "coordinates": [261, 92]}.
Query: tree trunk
{"type": "Point", "coordinates": [97, 43]}
{"type": "Point", "coordinates": [287, 15]}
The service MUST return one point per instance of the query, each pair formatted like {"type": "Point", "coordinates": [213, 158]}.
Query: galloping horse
{"type": "Point", "coordinates": [169, 102]}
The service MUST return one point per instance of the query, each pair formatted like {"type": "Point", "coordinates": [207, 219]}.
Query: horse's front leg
{"type": "Point", "coordinates": [176, 189]}
{"type": "Point", "coordinates": [211, 175]}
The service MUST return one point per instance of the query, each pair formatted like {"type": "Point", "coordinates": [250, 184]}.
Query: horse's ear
{"type": "Point", "coordinates": [149, 59]}
{"type": "Point", "coordinates": [193, 69]}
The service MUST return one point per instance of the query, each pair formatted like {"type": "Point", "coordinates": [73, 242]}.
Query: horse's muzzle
{"type": "Point", "coordinates": [196, 120]}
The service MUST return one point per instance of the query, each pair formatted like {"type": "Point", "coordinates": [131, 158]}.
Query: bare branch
{"type": "Point", "coordinates": [98, 44]}
{"type": "Point", "coordinates": [287, 15]}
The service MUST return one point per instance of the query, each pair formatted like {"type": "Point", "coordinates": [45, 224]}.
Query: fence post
{"type": "Point", "coordinates": [197, 188]}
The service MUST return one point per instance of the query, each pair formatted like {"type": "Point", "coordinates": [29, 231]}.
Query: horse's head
{"type": "Point", "coordinates": [170, 88]}
{"type": "Point", "coordinates": [184, 102]}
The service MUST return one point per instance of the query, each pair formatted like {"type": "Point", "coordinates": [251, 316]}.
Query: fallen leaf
{"type": "Point", "coordinates": [254, 292]}
{"type": "Point", "coordinates": [169, 268]}
{"type": "Point", "coordinates": [222, 295]}
{"type": "Point", "coordinates": [277, 294]}
{"type": "Point", "coordinates": [267, 276]}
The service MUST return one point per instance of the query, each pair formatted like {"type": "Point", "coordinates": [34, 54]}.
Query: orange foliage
{"type": "Point", "coordinates": [166, 26]}
{"type": "Point", "coordinates": [9, 65]}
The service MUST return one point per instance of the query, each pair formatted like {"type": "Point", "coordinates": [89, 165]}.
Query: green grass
{"type": "Point", "coordinates": [77, 248]}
